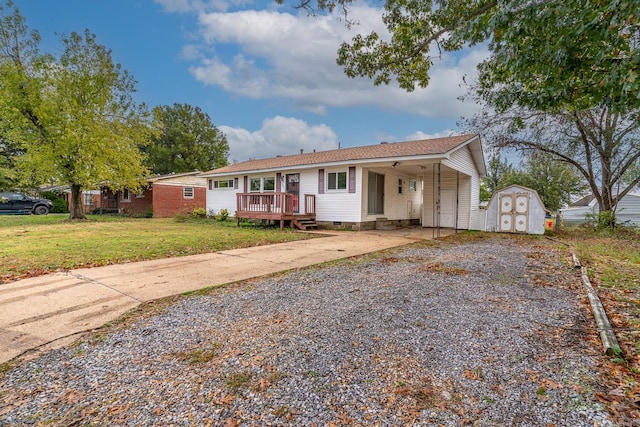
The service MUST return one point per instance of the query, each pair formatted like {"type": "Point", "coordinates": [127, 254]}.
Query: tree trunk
{"type": "Point", "coordinates": [75, 211]}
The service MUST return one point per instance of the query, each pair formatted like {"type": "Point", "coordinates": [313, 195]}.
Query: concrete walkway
{"type": "Point", "coordinates": [49, 311]}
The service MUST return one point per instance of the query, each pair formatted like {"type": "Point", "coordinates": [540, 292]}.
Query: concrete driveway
{"type": "Point", "coordinates": [48, 311]}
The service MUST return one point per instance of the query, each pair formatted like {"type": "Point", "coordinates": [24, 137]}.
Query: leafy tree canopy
{"type": "Point", "coordinates": [545, 54]}
{"type": "Point", "coordinates": [74, 115]}
{"type": "Point", "coordinates": [187, 141]}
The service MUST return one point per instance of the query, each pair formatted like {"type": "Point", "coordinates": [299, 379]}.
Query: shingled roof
{"type": "Point", "coordinates": [419, 148]}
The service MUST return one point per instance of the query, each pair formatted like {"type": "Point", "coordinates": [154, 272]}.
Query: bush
{"type": "Point", "coordinates": [180, 217]}
{"type": "Point", "coordinates": [606, 220]}
{"type": "Point", "coordinates": [222, 215]}
{"type": "Point", "coordinates": [199, 213]}
{"type": "Point", "coordinates": [59, 202]}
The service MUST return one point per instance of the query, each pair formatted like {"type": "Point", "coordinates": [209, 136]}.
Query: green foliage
{"type": "Point", "coordinates": [496, 171]}
{"type": "Point", "coordinates": [187, 141]}
{"type": "Point", "coordinates": [555, 182]}
{"type": "Point", "coordinates": [485, 194]}
{"type": "Point", "coordinates": [199, 213]}
{"type": "Point", "coordinates": [590, 46]}
{"type": "Point", "coordinates": [606, 220]}
{"type": "Point", "coordinates": [59, 201]}
{"type": "Point", "coordinates": [74, 114]}
{"type": "Point", "coordinates": [223, 215]}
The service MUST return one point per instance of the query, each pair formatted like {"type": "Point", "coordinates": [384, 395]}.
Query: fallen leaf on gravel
{"type": "Point", "coordinates": [227, 400]}
{"type": "Point", "coordinates": [548, 383]}
{"type": "Point", "coordinates": [230, 422]}
{"type": "Point", "coordinates": [473, 374]}
{"type": "Point", "coordinates": [263, 384]}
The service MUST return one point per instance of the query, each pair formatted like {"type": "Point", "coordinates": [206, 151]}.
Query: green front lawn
{"type": "Point", "coordinates": [32, 245]}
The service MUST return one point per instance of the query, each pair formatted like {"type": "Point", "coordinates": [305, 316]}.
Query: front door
{"type": "Point", "coordinates": [375, 193]}
{"type": "Point", "coordinates": [514, 213]}
{"type": "Point", "coordinates": [293, 187]}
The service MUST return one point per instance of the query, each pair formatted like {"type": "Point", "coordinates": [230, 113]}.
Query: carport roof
{"type": "Point", "coordinates": [409, 149]}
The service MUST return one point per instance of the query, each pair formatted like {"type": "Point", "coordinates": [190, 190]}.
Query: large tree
{"type": "Point", "coordinates": [187, 141]}
{"type": "Point", "coordinates": [601, 145]}
{"type": "Point", "coordinates": [74, 114]}
{"type": "Point", "coordinates": [545, 54]}
{"type": "Point", "coordinates": [564, 73]}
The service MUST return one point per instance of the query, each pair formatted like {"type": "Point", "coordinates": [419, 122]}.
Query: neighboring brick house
{"type": "Point", "coordinates": [166, 196]}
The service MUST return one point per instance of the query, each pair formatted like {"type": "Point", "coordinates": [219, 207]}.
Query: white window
{"type": "Point", "coordinates": [227, 183]}
{"type": "Point", "coordinates": [337, 181]}
{"type": "Point", "coordinates": [187, 192]}
{"type": "Point", "coordinates": [269, 184]}
{"type": "Point", "coordinates": [125, 196]}
{"type": "Point", "coordinates": [266, 184]}
{"type": "Point", "coordinates": [412, 185]}
{"type": "Point", "coordinates": [255, 184]}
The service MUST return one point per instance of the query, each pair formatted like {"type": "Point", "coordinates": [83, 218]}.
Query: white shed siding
{"type": "Point", "coordinates": [536, 211]}
{"type": "Point", "coordinates": [338, 205]}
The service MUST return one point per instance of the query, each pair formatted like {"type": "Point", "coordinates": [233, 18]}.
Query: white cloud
{"type": "Point", "coordinates": [263, 54]}
{"type": "Point", "coordinates": [423, 135]}
{"type": "Point", "coordinates": [278, 136]}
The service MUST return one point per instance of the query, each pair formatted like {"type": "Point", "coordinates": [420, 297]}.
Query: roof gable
{"type": "Point", "coordinates": [425, 148]}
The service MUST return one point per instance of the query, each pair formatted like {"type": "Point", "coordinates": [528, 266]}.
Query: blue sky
{"type": "Point", "coordinates": [266, 74]}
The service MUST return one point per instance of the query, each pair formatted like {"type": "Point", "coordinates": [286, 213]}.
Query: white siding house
{"type": "Point", "coordinates": [434, 183]}
{"type": "Point", "coordinates": [627, 211]}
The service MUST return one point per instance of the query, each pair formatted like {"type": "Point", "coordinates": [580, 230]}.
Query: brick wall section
{"type": "Point", "coordinates": [168, 200]}
{"type": "Point", "coordinates": [138, 206]}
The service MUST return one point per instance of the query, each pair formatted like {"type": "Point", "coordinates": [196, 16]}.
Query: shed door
{"type": "Point", "coordinates": [514, 213]}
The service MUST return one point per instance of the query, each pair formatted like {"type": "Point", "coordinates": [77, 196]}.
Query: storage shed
{"type": "Point", "coordinates": [515, 209]}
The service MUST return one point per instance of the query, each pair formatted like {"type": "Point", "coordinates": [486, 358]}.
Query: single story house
{"type": "Point", "coordinates": [430, 182]}
{"type": "Point", "coordinates": [515, 209]}
{"type": "Point", "coordinates": [585, 209]}
{"type": "Point", "coordinates": [165, 196]}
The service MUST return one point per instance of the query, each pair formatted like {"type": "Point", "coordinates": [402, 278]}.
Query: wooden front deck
{"type": "Point", "coordinates": [275, 206]}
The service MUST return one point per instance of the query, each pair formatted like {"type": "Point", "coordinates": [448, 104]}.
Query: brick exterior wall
{"type": "Point", "coordinates": [138, 206]}
{"type": "Point", "coordinates": [168, 200]}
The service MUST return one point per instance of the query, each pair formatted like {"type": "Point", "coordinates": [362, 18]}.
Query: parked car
{"type": "Point", "coordinates": [18, 203]}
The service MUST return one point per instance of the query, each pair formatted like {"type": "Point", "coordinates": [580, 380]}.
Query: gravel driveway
{"type": "Point", "coordinates": [488, 332]}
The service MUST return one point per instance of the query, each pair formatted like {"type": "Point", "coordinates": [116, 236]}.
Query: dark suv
{"type": "Point", "coordinates": [17, 203]}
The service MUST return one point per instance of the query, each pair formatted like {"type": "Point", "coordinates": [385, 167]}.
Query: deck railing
{"type": "Point", "coordinates": [274, 203]}
{"type": "Point", "coordinates": [310, 204]}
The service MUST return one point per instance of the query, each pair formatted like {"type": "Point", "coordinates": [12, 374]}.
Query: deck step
{"type": "Point", "coordinates": [305, 224]}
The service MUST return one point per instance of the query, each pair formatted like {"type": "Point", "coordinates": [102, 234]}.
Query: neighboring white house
{"type": "Point", "coordinates": [585, 209]}
{"type": "Point", "coordinates": [434, 183]}
{"type": "Point", "coordinates": [515, 209]}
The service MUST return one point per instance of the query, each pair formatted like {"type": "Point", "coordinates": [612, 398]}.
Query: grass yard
{"type": "Point", "coordinates": [612, 259]}
{"type": "Point", "coordinates": [33, 245]}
